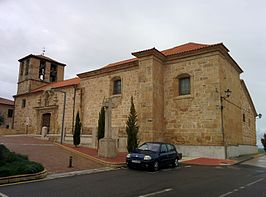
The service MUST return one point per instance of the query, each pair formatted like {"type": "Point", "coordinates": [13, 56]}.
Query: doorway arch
{"type": "Point", "coordinates": [46, 119]}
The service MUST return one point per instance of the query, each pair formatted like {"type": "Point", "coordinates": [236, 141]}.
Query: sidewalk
{"type": "Point", "coordinates": [119, 161]}
{"type": "Point", "coordinates": [92, 154]}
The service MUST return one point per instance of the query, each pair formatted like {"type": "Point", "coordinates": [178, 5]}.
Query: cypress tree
{"type": "Point", "coordinates": [132, 129]}
{"type": "Point", "coordinates": [101, 124]}
{"type": "Point", "coordinates": [1, 119]}
{"type": "Point", "coordinates": [76, 136]}
{"type": "Point", "coordinates": [263, 141]}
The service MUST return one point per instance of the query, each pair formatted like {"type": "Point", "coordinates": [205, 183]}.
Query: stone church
{"type": "Point", "coordinates": [190, 95]}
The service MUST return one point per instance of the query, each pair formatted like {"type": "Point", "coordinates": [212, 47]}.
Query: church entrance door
{"type": "Point", "coordinates": [46, 121]}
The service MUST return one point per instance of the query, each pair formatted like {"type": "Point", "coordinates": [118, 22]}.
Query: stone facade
{"type": "Point", "coordinates": [7, 113]}
{"type": "Point", "coordinates": [202, 122]}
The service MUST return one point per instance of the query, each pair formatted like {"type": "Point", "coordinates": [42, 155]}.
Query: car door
{"type": "Point", "coordinates": [163, 154]}
{"type": "Point", "coordinates": [172, 154]}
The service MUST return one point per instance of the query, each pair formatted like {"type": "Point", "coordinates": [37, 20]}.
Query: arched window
{"type": "Point", "coordinates": [117, 86]}
{"type": "Point", "coordinates": [184, 87]}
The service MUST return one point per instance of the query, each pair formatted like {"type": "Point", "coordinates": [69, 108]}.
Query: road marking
{"type": "Point", "coordinates": [158, 192]}
{"type": "Point", "coordinates": [242, 187]}
{"type": "Point", "coordinates": [3, 195]}
{"type": "Point", "coordinates": [226, 194]}
{"type": "Point", "coordinates": [254, 182]}
{"type": "Point", "coordinates": [187, 166]}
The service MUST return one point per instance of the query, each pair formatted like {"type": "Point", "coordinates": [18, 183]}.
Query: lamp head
{"type": "Point", "coordinates": [227, 93]}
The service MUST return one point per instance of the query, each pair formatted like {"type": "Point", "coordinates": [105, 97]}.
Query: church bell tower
{"type": "Point", "coordinates": [36, 71]}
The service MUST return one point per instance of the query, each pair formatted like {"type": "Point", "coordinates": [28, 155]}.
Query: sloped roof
{"type": "Point", "coordinates": [4, 101]}
{"type": "Point", "coordinates": [59, 84]}
{"type": "Point", "coordinates": [184, 48]}
{"type": "Point", "coordinates": [42, 57]}
{"type": "Point", "coordinates": [191, 46]}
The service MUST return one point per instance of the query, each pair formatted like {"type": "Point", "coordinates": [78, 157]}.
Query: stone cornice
{"type": "Point", "coordinates": [149, 52]}
{"type": "Point", "coordinates": [218, 47]}
{"type": "Point", "coordinates": [111, 69]}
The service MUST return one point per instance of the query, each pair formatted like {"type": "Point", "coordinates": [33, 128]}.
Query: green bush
{"type": "Point", "coordinates": [16, 164]}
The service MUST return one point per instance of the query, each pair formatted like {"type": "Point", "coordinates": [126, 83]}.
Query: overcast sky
{"type": "Point", "coordinates": [89, 34]}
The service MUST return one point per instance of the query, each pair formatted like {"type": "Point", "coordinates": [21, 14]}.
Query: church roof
{"type": "Point", "coordinates": [4, 101]}
{"type": "Point", "coordinates": [59, 84]}
{"type": "Point", "coordinates": [179, 51]}
{"type": "Point", "coordinates": [42, 57]}
{"type": "Point", "coordinates": [175, 50]}
{"type": "Point", "coordinates": [184, 48]}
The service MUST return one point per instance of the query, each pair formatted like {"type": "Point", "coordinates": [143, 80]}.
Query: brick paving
{"type": "Point", "coordinates": [54, 158]}
{"type": "Point", "coordinates": [209, 161]}
{"type": "Point", "coordinates": [120, 158]}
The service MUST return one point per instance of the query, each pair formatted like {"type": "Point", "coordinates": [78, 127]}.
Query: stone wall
{"type": "Point", "coordinates": [96, 89]}
{"type": "Point", "coordinates": [193, 119]}
{"type": "Point", "coordinates": [248, 121]}
{"type": "Point", "coordinates": [8, 121]}
{"type": "Point", "coordinates": [230, 79]}
{"type": "Point", "coordinates": [40, 103]}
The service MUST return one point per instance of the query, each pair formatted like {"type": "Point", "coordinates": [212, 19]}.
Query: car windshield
{"type": "Point", "coordinates": [150, 147]}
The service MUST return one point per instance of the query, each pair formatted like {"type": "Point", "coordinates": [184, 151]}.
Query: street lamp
{"type": "Point", "coordinates": [259, 116]}
{"type": "Point", "coordinates": [227, 95]}
{"type": "Point", "coordinates": [64, 108]}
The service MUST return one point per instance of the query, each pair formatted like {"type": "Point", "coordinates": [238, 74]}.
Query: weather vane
{"type": "Point", "coordinates": [43, 50]}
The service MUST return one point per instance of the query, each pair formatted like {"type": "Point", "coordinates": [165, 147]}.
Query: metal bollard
{"type": "Point", "coordinates": [70, 162]}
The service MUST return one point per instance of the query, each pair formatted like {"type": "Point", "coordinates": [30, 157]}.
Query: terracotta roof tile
{"type": "Point", "coordinates": [59, 84]}
{"type": "Point", "coordinates": [191, 46]}
{"type": "Point", "coordinates": [184, 48]}
{"type": "Point", "coordinates": [4, 101]}
{"type": "Point", "coordinates": [121, 62]}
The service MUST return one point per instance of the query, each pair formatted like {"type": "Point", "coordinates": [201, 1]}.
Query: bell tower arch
{"type": "Point", "coordinates": [38, 70]}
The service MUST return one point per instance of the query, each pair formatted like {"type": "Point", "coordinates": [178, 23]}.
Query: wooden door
{"type": "Point", "coordinates": [46, 121]}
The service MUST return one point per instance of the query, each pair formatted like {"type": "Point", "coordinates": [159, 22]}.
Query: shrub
{"type": "Point", "coordinates": [16, 164]}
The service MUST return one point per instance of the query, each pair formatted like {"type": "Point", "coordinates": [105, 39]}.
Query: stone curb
{"type": "Point", "coordinates": [23, 177]}
{"type": "Point", "coordinates": [248, 158]}
{"type": "Point", "coordinates": [107, 163]}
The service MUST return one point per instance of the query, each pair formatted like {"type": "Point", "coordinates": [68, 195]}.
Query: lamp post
{"type": "Point", "coordinates": [227, 94]}
{"type": "Point", "coordinates": [63, 118]}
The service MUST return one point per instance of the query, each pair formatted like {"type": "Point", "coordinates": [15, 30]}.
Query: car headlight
{"type": "Point", "coordinates": [147, 157]}
{"type": "Point", "coordinates": [128, 155]}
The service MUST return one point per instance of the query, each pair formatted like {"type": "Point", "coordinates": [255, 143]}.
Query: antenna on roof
{"type": "Point", "coordinates": [43, 50]}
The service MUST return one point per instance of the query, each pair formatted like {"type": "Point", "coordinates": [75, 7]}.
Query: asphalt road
{"type": "Point", "coordinates": [239, 180]}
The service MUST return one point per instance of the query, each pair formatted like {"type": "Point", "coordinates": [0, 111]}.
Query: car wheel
{"type": "Point", "coordinates": [156, 166]}
{"type": "Point", "coordinates": [175, 163]}
{"type": "Point", "coordinates": [129, 166]}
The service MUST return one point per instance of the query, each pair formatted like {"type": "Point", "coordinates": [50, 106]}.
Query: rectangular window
{"type": "Point", "coordinates": [244, 118]}
{"type": "Point", "coordinates": [53, 73]}
{"type": "Point", "coordinates": [27, 67]}
{"type": "Point", "coordinates": [184, 86]}
{"type": "Point", "coordinates": [23, 103]}
{"type": "Point", "coordinates": [10, 113]}
{"type": "Point", "coordinates": [21, 68]}
{"type": "Point", "coordinates": [117, 87]}
{"type": "Point", "coordinates": [42, 70]}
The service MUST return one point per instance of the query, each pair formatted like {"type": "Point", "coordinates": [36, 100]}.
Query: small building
{"type": "Point", "coordinates": [6, 113]}
{"type": "Point", "coordinates": [181, 96]}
